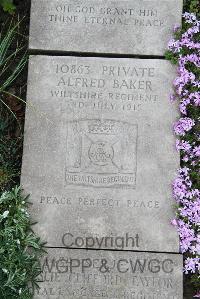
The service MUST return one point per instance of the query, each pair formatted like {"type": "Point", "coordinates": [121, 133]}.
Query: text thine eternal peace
{"type": "Point", "coordinates": [106, 15]}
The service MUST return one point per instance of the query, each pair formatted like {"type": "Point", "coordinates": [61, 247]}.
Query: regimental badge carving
{"type": "Point", "coordinates": [101, 153]}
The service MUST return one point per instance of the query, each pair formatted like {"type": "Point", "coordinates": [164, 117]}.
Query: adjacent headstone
{"type": "Point", "coordinates": [93, 274]}
{"type": "Point", "coordinates": [121, 27]}
{"type": "Point", "coordinates": [99, 154]}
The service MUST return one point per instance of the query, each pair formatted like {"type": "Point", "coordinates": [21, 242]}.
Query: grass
{"type": "Point", "coordinates": [20, 248]}
{"type": "Point", "coordinates": [12, 61]}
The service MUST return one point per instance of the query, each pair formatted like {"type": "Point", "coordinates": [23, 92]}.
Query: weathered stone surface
{"type": "Point", "coordinates": [99, 154]}
{"type": "Point", "coordinates": [110, 274]}
{"type": "Point", "coordinates": [104, 26]}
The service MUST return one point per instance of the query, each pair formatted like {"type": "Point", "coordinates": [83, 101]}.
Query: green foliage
{"type": "Point", "coordinates": [11, 64]}
{"type": "Point", "coordinates": [20, 248]}
{"type": "Point", "coordinates": [192, 6]}
{"type": "Point", "coordinates": [10, 161]}
{"type": "Point", "coordinates": [170, 56]}
{"type": "Point", "coordinates": [8, 5]}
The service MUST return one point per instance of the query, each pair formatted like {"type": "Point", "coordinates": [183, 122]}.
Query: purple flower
{"type": "Point", "coordinates": [191, 264]}
{"type": "Point", "coordinates": [172, 98]}
{"type": "Point", "coordinates": [183, 125]}
{"type": "Point", "coordinates": [196, 151]}
{"type": "Point", "coordinates": [187, 85]}
{"type": "Point", "coordinates": [174, 222]}
{"type": "Point", "coordinates": [176, 27]}
{"type": "Point", "coordinates": [183, 145]}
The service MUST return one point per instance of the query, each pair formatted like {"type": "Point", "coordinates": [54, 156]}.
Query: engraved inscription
{"type": "Point", "coordinates": [99, 202]}
{"type": "Point", "coordinates": [106, 16]}
{"type": "Point", "coordinates": [122, 87]}
{"type": "Point", "coordinates": [112, 276]}
{"type": "Point", "coordinates": [101, 170]}
{"type": "Point", "coordinates": [118, 27]}
{"type": "Point", "coordinates": [101, 153]}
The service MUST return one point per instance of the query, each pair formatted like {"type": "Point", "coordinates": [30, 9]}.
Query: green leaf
{"type": "Point", "coordinates": [8, 5]}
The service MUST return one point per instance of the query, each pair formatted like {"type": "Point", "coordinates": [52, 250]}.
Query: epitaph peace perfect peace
{"type": "Point", "coordinates": [99, 155]}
